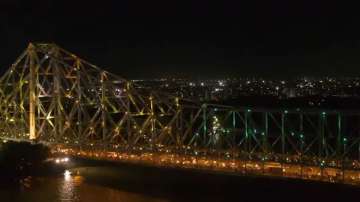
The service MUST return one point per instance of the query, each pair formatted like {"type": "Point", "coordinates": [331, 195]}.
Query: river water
{"type": "Point", "coordinates": [68, 188]}
{"type": "Point", "coordinates": [136, 184]}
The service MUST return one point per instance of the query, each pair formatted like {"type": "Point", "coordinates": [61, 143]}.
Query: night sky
{"type": "Point", "coordinates": [146, 39]}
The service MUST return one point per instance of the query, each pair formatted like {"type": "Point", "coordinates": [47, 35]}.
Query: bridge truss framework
{"type": "Point", "coordinates": [52, 96]}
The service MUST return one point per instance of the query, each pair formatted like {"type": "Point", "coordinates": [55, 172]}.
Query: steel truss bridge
{"type": "Point", "coordinates": [50, 95]}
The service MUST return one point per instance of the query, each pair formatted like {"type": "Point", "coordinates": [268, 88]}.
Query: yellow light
{"type": "Point", "coordinates": [67, 175]}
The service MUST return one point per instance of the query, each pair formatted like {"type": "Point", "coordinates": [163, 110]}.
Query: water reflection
{"type": "Point", "coordinates": [69, 188]}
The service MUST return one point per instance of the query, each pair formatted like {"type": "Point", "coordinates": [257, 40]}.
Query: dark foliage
{"type": "Point", "coordinates": [21, 159]}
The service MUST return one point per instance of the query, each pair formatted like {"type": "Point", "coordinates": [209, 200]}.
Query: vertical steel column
{"type": "Point", "coordinates": [246, 137]}
{"type": "Point", "coordinates": [322, 135]}
{"type": "Point", "coordinates": [283, 133]}
{"type": "Point", "coordinates": [233, 138]}
{"type": "Point", "coordinates": [32, 93]}
{"type": "Point", "coordinates": [103, 108]}
{"type": "Point", "coordinates": [265, 141]}
{"type": "Point", "coordinates": [204, 124]}
{"type": "Point", "coordinates": [265, 134]}
{"type": "Point", "coordinates": [178, 128]}
{"type": "Point", "coordinates": [233, 131]}
{"type": "Point", "coordinates": [190, 128]}
{"type": "Point", "coordinates": [301, 130]}
{"type": "Point", "coordinates": [57, 91]}
{"type": "Point", "coordinates": [247, 142]}
{"type": "Point", "coordinates": [79, 100]}
{"type": "Point", "coordinates": [233, 146]}
{"type": "Point", "coordinates": [22, 99]}
{"type": "Point", "coordinates": [322, 146]}
{"type": "Point", "coordinates": [339, 136]}
{"type": "Point", "coordinates": [282, 140]}
{"type": "Point", "coordinates": [128, 115]}
{"type": "Point", "coordinates": [181, 126]}
{"type": "Point", "coordinates": [339, 148]}
{"type": "Point", "coordinates": [152, 121]}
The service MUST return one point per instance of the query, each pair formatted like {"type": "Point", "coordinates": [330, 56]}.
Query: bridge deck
{"type": "Point", "coordinates": [219, 164]}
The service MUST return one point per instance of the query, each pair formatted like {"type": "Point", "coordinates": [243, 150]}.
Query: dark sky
{"type": "Point", "coordinates": [162, 38]}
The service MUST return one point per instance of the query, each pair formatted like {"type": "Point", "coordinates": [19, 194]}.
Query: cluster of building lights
{"type": "Point", "coordinates": [225, 88]}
